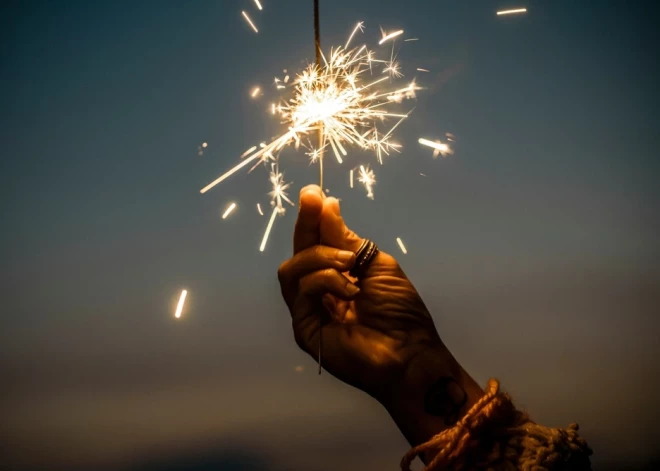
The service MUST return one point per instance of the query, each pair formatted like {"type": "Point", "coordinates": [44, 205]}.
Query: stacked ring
{"type": "Point", "coordinates": [363, 257]}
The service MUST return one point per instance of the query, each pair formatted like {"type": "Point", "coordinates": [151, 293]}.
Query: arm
{"type": "Point", "coordinates": [378, 336]}
{"type": "Point", "coordinates": [433, 395]}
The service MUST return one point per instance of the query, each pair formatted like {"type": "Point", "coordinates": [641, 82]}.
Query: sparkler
{"type": "Point", "coordinates": [337, 100]}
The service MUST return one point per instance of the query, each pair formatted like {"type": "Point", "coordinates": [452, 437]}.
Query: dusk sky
{"type": "Point", "coordinates": [535, 245]}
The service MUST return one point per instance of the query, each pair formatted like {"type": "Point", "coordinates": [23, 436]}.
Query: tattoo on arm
{"type": "Point", "coordinates": [445, 398]}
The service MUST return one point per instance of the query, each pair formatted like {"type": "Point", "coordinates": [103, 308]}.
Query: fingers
{"type": "Point", "coordinates": [312, 259]}
{"type": "Point", "coordinates": [334, 231]}
{"type": "Point", "coordinates": [311, 291]}
{"type": "Point", "coordinates": [307, 231]}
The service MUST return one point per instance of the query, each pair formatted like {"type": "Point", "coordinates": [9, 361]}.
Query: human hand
{"type": "Point", "coordinates": [374, 327]}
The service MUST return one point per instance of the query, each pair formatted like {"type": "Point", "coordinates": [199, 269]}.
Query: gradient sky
{"type": "Point", "coordinates": [534, 245]}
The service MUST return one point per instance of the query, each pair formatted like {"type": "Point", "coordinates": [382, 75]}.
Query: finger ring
{"type": "Point", "coordinates": [363, 257]}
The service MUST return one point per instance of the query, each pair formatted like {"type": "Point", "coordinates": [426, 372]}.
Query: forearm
{"type": "Point", "coordinates": [435, 393]}
{"type": "Point", "coordinates": [493, 434]}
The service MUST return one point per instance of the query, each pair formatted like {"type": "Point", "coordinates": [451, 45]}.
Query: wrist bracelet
{"type": "Point", "coordinates": [495, 435]}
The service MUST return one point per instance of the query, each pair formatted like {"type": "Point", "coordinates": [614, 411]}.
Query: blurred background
{"type": "Point", "coordinates": [535, 246]}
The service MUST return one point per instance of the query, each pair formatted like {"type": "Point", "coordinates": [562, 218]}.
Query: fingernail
{"type": "Point", "coordinates": [334, 205]}
{"type": "Point", "coordinates": [345, 256]}
{"type": "Point", "coordinates": [352, 289]}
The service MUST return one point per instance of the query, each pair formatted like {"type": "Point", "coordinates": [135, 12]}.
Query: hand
{"type": "Point", "coordinates": [373, 328]}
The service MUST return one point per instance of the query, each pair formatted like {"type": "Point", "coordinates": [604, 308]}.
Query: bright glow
{"type": "Point", "coordinates": [179, 307]}
{"type": "Point", "coordinates": [258, 4]}
{"type": "Point", "coordinates": [401, 246]}
{"type": "Point", "coordinates": [255, 92]}
{"type": "Point", "coordinates": [268, 228]}
{"type": "Point", "coordinates": [512, 12]}
{"type": "Point", "coordinates": [440, 148]}
{"type": "Point", "coordinates": [247, 18]}
{"type": "Point", "coordinates": [205, 144]}
{"type": "Point", "coordinates": [335, 98]}
{"type": "Point", "coordinates": [229, 210]}
{"type": "Point", "coordinates": [423, 70]}
{"type": "Point", "coordinates": [390, 36]}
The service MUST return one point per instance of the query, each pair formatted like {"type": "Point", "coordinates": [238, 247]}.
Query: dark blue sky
{"type": "Point", "coordinates": [534, 245]}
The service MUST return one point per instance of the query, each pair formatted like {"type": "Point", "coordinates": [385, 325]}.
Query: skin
{"type": "Point", "coordinates": [378, 335]}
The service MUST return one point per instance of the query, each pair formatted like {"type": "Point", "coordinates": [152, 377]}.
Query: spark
{"type": "Point", "coordinates": [249, 151]}
{"type": "Point", "coordinates": [272, 108]}
{"type": "Point", "coordinates": [368, 179]}
{"type": "Point", "coordinates": [359, 26]}
{"type": "Point", "coordinates": [255, 92]}
{"type": "Point", "coordinates": [440, 148]}
{"type": "Point", "coordinates": [401, 246]}
{"type": "Point", "coordinates": [390, 36]}
{"type": "Point", "coordinates": [247, 18]}
{"type": "Point", "coordinates": [338, 98]}
{"type": "Point", "coordinates": [278, 196]}
{"type": "Point", "coordinates": [229, 210]}
{"type": "Point", "coordinates": [392, 67]}
{"type": "Point", "coordinates": [411, 39]}
{"type": "Point", "coordinates": [258, 4]}
{"type": "Point", "coordinates": [512, 12]}
{"type": "Point", "coordinates": [205, 145]}
{"type": "Point", "coordinates": [268, 228]}
{"type": "Point", "coordinates": [351, 177]}
{"type": "Point", "coordinates": [179, 307]}
{"type": "Point", "coordinates": [423, 70]}
{"type": "Point", "coordinates": [259, 209]}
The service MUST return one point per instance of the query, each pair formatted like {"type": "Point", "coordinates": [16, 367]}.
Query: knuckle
{"type": "Point", "coordinates": [327, 274]}
{"type": "Point", "coordinates": [299, 339]}
{"type": "Point", "coordinates": [318, 251]}
{"type": "Point", "coordinates": [281, 271]}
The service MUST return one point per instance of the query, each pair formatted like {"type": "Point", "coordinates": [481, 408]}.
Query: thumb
{"type": "Point", "coordinates": [334, 231]}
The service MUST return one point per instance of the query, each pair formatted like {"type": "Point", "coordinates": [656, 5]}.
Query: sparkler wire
{"type": "Point", "coordinates": [317, 43]}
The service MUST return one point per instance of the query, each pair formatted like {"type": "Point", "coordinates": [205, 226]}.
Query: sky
{"type": "Point", "coordinates": [534, 245]}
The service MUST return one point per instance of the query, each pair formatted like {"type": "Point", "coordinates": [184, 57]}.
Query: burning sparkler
{"type": "Point", "coordinates": [338, 98]}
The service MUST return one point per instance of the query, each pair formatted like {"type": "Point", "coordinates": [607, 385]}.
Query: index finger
{"type": "Point", "coordinates": [307, 232]}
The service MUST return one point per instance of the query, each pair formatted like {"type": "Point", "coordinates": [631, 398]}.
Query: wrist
{"type": "Point", "coordinates": [434, 393]}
